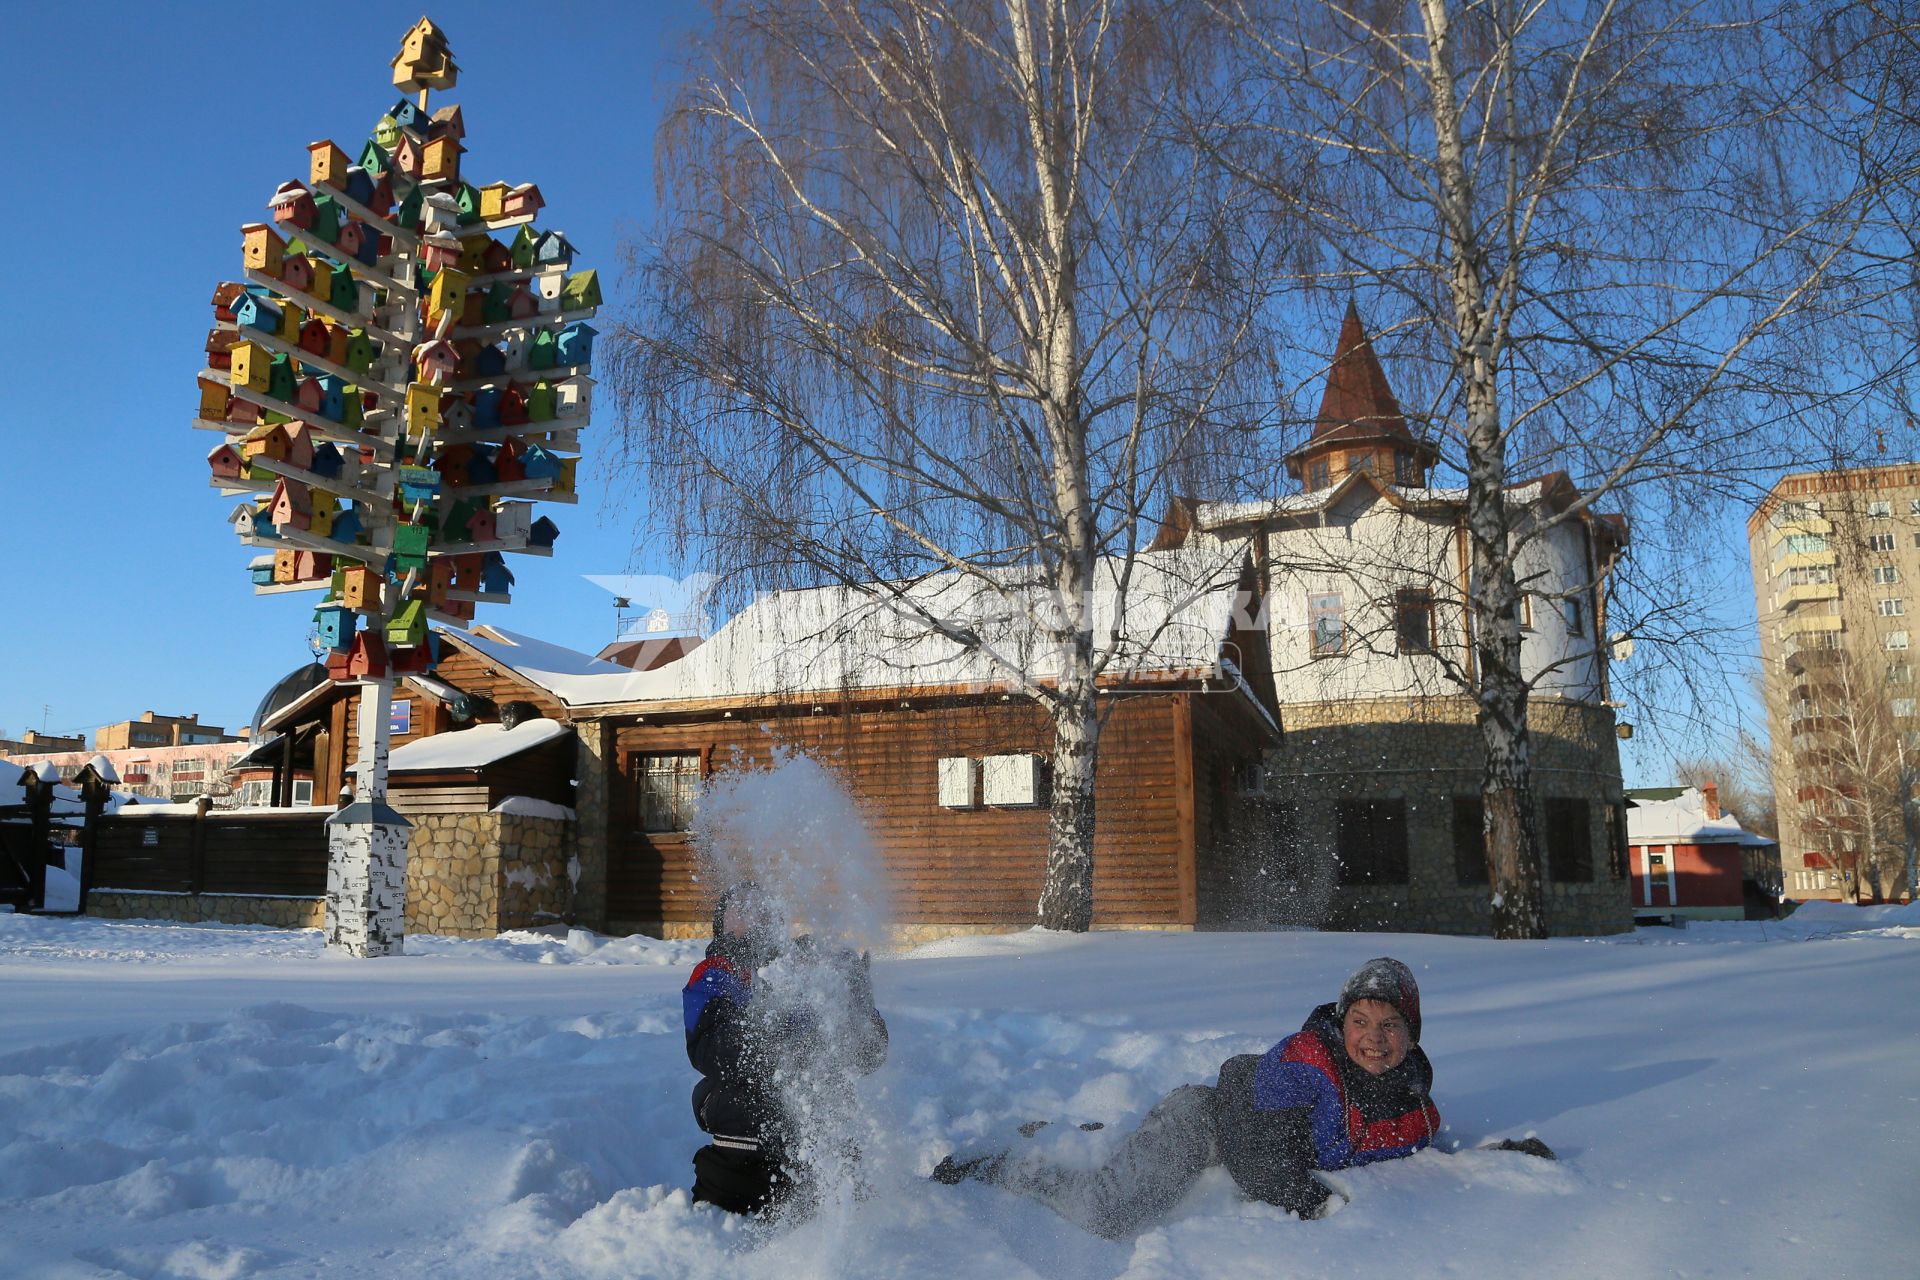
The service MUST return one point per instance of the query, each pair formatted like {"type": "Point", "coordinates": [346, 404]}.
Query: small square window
{"type": "Point", "coordinates": [1913, 506]}
{"type": "Point", "coordinates": [1879, 511]}
{"type": "Point", "coordinates": [1893, 608]}
{"type": "Point", "coordinates": [1406, 469]}
{"type": "Point", "coordinates": [1576, 617]}
{"type": "Point", "coordinates": [669, 788]}
{"type": "Point", "coordinates": [1902, 708]}
{"type": "Point", "coordinates": [1880, 542]}
{"type": "Point", "coordinates": [1319, 474]}
{"type": "Point", "coordinates": [1327, 625]}
{"type": "Point", "coordinates": [1885, 575]}
{"type": "Point", "coordinates": [1896, 640]}
{"type": "Point", "coordinates": [1413, 620]}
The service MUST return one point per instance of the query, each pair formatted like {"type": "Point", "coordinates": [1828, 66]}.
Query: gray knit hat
{"type": "Point", "coordinates": [1384, 978]}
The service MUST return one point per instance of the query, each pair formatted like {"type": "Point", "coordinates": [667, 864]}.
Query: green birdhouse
{"type": "Point", "coordinates": [581, 291]}
{"type": "Point", "coordinates": [522, 248]}
{"type": "Point", "coordinates": [540, 403]}
{"type": "Point", "coordinates": [410, 546]}
{"type": "Point", "coordinates": [373, 156]}
{"type": "Point", "coordinates": [326, 218]}
{"type": "Point", "coordinates": [408, 627]}
{"type": "Point", "coordinates": [540, 353]}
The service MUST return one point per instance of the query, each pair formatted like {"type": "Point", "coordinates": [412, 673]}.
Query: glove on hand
{"type": "Point", "coordinates": [1528, 1146]}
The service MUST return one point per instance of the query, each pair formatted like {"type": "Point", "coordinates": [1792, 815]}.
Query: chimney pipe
{"type": "Point", "coordinates": [1710, 791]}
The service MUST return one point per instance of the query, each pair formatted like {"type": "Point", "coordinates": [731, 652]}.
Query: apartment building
{"type": "Point", "coordinates": [1836, 576]}
{"type": "Point", "coordinates": [152, 730]}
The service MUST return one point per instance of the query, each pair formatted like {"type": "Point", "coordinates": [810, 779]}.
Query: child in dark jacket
{"type": "Point", "coordinates": [1350, 1087]}
{"type": "Point", "coordinates": [776, 1066]}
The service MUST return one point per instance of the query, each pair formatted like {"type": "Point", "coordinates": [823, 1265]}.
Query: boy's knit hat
{"type": "Point", "coordinates": [1384, 978]}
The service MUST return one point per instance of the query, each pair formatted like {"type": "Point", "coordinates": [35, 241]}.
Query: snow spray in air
{"type": "Point", "coordinates": [792, 829]}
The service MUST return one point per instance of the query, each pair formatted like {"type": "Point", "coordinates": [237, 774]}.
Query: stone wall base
{"type": "Point", "coordinates": [900, 935]}
{"type": "Point", "coordinates": [220, 908]}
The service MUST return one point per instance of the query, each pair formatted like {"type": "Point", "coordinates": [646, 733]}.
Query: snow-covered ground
{"type": "Point", "coordinates": [197, 1101]}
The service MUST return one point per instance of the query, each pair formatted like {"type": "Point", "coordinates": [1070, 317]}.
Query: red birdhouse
{"type": "Point", "coordinates": [437, 361]}
{"type": "Point", "coordinates": [522, 303]}
{"type": "Point", "coordinates": [367, 657]}
{"type": "Point", "coordinates": [513, 407]}
{"type": "Point", "coordinates": [316, 337]}
{"type": "Point", "coordinates": [220, 345]}
{"type": "Point", "coordinates": [466, 570]}
{"type": "Point", "coordinates": [439, 581]}
{"type": "Point", "coordinates": [224, 296]}
{"type": "Point", "coordinates": [452, 466]}
{"type": "Point", "coordinates": [308, 395]}
{"type": "Point", "coordinates": [496, 257]}
{"type": "Point", "coordinates": [299, 445]}
{"type": "Point", "coordinates": [309, 565]}
{"type": "Point", "coordinates": [292, 506]}
{"type": "Point", "coordinates": [460, 609]}
{"type": "Point", "coordinates": [481, 525]}
{"type": "Point", "coordinates": [523, 201]}
{"type": "Point", "coordinates": [296, 272]}
{"type": "Point", "coordinates": [507, 464]}
{"type": "Point", "coordinates": [292, 206]}
{"type": "Point", "coordinates": [226, 462]}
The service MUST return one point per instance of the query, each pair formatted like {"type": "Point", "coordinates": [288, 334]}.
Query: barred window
{"type": "Point", "coordinates": [1413, 620]}
{"type": "Point", "coordinates": [1372, 841]}
{"type": "Point", "coordinates": [1569, 840]}
{"type": "Point", "coordinates": [669, 787]}
{"type": "Point", "coordinates": [1469, 840]}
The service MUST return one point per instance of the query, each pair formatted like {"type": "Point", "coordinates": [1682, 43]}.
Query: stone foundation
{"type": "Point", "coordinates": [221, 908]}
{"type": "Point", "coordinates": [1425, 754]}
{"type": "Point", "coordinates": [473, 875]}
{"type": "Point", "coordinates": [900, 936]}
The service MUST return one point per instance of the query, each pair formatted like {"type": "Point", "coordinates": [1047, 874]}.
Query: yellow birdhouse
{"type": "Point", "coordinates": [563, 481]}
{"type": "Point", "coordinates": [324, 510]}
{"type": "Point", "coordinates": [359, 589]}
{"type": "Point", "coordinates": [337, 343]}
{"type": "Point", "coordinates": [449, 292]}
{"type": "Point", "coordinates": [327, 164]}
{"type": "Point", "coordinates": [263, 250]}
{"type": "Point", "coordinates": [214, 399]}
{"type": "Point", "coordinates": [283, 565]}
{"type": "Point", "coordinates": [473, 254]}
{"type": "Point", "coordinates": [251, 366]}
{"type": "Point", "coordinates": [291, 318]}
{"type": "Point", "coordinates": [493, 201]}
{"type": "Point", "coordinates": [441, 159]}
{"type": "Point", "coordinates": [424, 61]}
{"type": "Point", "coordinates": [423, 407]}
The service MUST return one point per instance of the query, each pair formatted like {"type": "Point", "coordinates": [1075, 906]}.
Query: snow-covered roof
{"type": "Point", "coordinates": [1178, 609]}
{"type": "Point", "coordinates": [1214, 515]}
{"type": "Point", "coordinates": [474, 748]}
{"type": "Point", "coordinates": [1684, 820]}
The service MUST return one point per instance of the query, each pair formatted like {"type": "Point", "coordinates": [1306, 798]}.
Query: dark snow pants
{"type": "Point", "coordinates": [1269, 1154]}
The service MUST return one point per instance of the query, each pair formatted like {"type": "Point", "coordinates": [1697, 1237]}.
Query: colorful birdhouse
{"type": "Point", "coordinates": [225, 462]}
{"type": "Point", "coordinates": [521, 250]}
{"type": "Point", "coordinates": [405, 114]}
{"type": "Point", "coordinates": [522, 304]}
{"type": "Point", "coordinates": [214, 400]}
{"type": "Point", "coordinates": [542, 533]}
{"type": "Point", "coordinates": [514, 347]}
{"type": "Point", "coordinates": [251, 366]}
{"type": "Point", "coordinates": [358, 185]}
{"type": "Point", "coordinates": [456, 414]}
{"type": "Point", "coordinates": [452, 465]}
{"type": "Point", "coordinates": [225, 294]}
{"type": "Point", "coordinates": [327, 218]}
{"type": "Point", "coordinates": [333, 396]}
{"type": "Point", "coordinates": [260, 570]}
{"type": "Point", "coordinates": [265, 441]}
{"type": "Point", "coordinates": [360, 589]}
{"type": "Point", "coordinates": [440, 160]}
{"type": "Point", "coordinates": [408, 626]}
{"type": "Point", "coordinates": [540, 351]}
{"type": "Point", "coordinates": [495, 577]}
{"type": "Point", "coordinates": [419, 484]}
{"type": "Point", "coordinates": [511, 520]}
{"type": "Point", "coordinates": [440, 251]}
{"type": "Point", "coordinates": [299, 445]}
{"type": "Point", "coordinates": [447, 122]}
{"type": "Point", "coordinates": [316, 337]}
{"type": "Point", "coordinates": [424, 61]}
{"type": "Point", "coordinates": [361, 351]}
{"type": "Point", "coordinates": [255, 312]}
{"type": "Point", "coordinates": [326, 459]}
{"type": "Point", "coordinates": [581, 292]}
{"type": "Point", "coordinates": [262, 249]}
{"type": "Point", "coordinates": [297, 273]}
{"type": "Point", "coordinates": [311, 566]}
{"type": "Point", "coordinates": [466, 570]}
{"type": "Point", "coordinates": [552, 248]}
{"type": "Point", "coordinates": [247, 519]}
{"type": "Point", "coordinates": [410, 543]}
{"type": "Point", "coordinates": [436, 361]}
{"type": "Point", "coordinates": [423, 408]}
{"type": "Point", "coordinates": [468, 201]}
{"type": "Point", "coordinates": [353, 407]}
{"type": "Point", "coordinates": [291, 318]}
{"type": "Point", "coordinates": [407, 212]}
{"type": "Point", "coordinates": [343, 291]}
{"type": "Point", "coordinates": [407, 156]}
{"type": "Point", "coordinates": [351, 239]}
{"type": "Point", "coordinates": [513, 406]}
{"type": "Point", "coordinates": [496, 258]}
{"type": "Point", "coordinates": [473, 309]}
{"type": "Point", "coordinates": [373, 156]}
{"type": "Point", "coordinates": [495, 308]}
{"type": "Point", "coordinates": [508, 464]}
{"type": "Point", "coordinates": [290, 507]}
{"type": "Point", "coordinates": [334, 626]}
{"type": "Point", "coordinates": [494, 200]}
{"type": "Point", "coordinates": [480, 468]}
{"type": "Point", "coordinates": [467, 348]}
{"type": "Point", "coordinates": [283, 566]}
{"type": "Point", "coordinates": [573, 346]}
{"type": "Point", "coordinates": [337, 343]}
{"type": "Point", "coordinates": [563, 481]}
{"type": "Point", "coordinates": [308, 395]}
{"type": "Point", "coordinates": [439, 581]}
{"type": "Point", "coordinates": [481, 525]}
{"type": "Point", "coordinates": [326, 164]}
{"type": "Point", "coordinates": [280, 380]}
{"type": "Point", "coordinates": [473, 254]}
{"type": "Point", "coordinates": [540, 402]}
{"type": "Point", "coordinates": [292, 206]}
{"type": "Point", "coordinates": [523, 201]}
{"type": "Point", "coordinates": [347, 525]}
{"type": "Point", "coordinates": [489, 361]}
{"type": "Point", "coordinates": [220, 345]}
{"type": "Point", "coordinates": [486, 408]}
{"type": "Point", "coordinates": [449, 291]}
{"type": "Point", "coordinates": [538, 463]}
{"type": "Point", "coordinates": [366, 657]}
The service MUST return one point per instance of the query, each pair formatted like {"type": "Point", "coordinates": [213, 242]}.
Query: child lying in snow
{"type": "Point", "coordinates": [1349, 1088]}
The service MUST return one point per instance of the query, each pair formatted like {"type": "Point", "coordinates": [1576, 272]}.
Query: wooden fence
{"type": "Point", "coordinates": [282, 854]}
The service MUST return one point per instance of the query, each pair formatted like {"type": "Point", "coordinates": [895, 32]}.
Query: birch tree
{"type": "Point", "coordinates": [1612, 238]}
{"type": "Point", "coordinates": [940, 289]}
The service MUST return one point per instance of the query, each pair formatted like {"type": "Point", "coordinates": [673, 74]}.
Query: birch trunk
{"type": "Point", "coordinates": [1066, 899]}
{"type": "Point", "coordinates": [1513, 850]}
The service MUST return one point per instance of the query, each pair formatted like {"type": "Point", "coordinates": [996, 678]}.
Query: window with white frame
{"type": "Point", "coordinates": [1883, 575]}
{"type": "Point", "coordinates": [1902, 708]}
{"type": "Point", "coordinates": [1327, 625]}
{"type": "Point", "coordinates": [1526, 611]}
{"type": "Point", "coordinates": [1913, 506]}
{"type": "Point", "coordinates": [1896, 640]}
{"type": "Point", "coordinates": [1899, 673]}
{"type": "Point", "coordinates": [1880, 542]}
{"type": "Point", "coordinates": [1892, 608]}
{"type": "Point", "coordinates": [1879, 511]}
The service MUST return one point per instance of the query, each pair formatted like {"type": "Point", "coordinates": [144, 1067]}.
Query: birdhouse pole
{"type": "Point", "coordinates": [387, 374]}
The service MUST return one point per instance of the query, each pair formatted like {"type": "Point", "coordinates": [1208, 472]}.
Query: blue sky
{"type": "Point", "coordinates": [123, 586]}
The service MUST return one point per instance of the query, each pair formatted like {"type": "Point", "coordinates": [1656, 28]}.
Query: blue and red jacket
{"type": "Point", "coordinates": [731, 1099]}
{"type": "Point", "coordinates": [1353, 1117]}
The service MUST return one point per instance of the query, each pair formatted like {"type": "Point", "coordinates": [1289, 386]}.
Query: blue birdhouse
{"type": "Point", "coordinates": [574, 346]}
{"type": "Point", "coordinates": [326, 461]}
{"type": "Point", "coordinates": [495, 577]}
{"type": "Point", "coordinates": [335, 624]}
{"type": "Point", "coordinates": [346, 526]}
{"type": "Point", "coordinates": [332, 397]}
{"type": "Point", "coordinates": [419, 484]}
{"type": "Point", "coordinates": [405, 114]}
{"type": "Point", "coordinates": [552, 247]}
{"type": "Point", "coordinates": [261, 571]}
{"type": "Point", "coordinates": [540, 464]}
{"type": "Point", "coordinates": [251, 311]}
{"type": "Point", "coordinates": [542, 533]}
{"type": "Point", "coordinates": [486, 408]}
{"type": "Point", "coordinates": [480, 468]}
{"type": "Point", "coordinates": [358, 184]}
{"type": "Point", "coordinates": [489, 361]}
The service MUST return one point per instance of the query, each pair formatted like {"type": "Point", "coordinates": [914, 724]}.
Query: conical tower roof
{"type": "Point", "coordinates": [1358, 404]}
